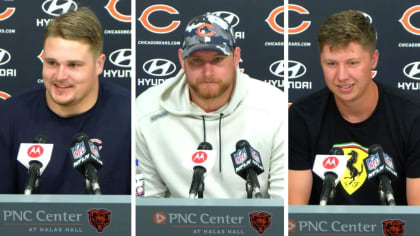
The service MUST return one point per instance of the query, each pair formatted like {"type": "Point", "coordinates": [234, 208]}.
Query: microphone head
{"type": "Point", "coordinates": [378, 163]}
{"type": "Point", "coordinates": [39, 151]}
{"type": "Point", "coordinates": [80, 137]}
{"type": "Point", "coordinates": [205, 146]}
{"type": "Point", "coordinates": [334, 163]}
{"type": "Point", "coordinates": [83, 151]}
{"type": "Point", "coordinates": [375, 148]}
{"type": "Point", "coordinates": [203, 157]}
{"type": "Point", "coordinates": [245, 157]}
{"type": "Point", "coordinates": [41, 139]}
{"type": "Point", "coordinates": [241, 144]}
{"type": "Point", "coordinates": [336, 151]}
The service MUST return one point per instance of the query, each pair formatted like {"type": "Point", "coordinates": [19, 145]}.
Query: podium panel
{"type": "Point", "coordinates": [65, 215]}
{"type": "Point", "coordinates": [182, 217]}
{"type": "Point", "coordinates": [354, 220]}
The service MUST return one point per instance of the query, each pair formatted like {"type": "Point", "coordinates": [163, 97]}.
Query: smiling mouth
{"type": "Point", "coordinates": [62, 86]}
{"type": "Point", "coordinates": [345, 86]}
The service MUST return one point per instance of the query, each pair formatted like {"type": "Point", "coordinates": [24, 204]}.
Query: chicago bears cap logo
{"type": "Point", "coordinates": [393, 227]}
{"type": "Point", "coordinates": [99, 218]}
{"type": "Point", "coordinates": [260, 221]}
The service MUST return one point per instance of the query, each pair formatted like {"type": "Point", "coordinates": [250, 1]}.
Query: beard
{"type": "Point", "coordinates": [211, 88]}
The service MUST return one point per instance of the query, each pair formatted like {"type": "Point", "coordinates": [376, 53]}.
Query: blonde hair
{"type": "Point", "coordinates": [81, 24]}
{"type": "Point", "coordinates": [347, 26]}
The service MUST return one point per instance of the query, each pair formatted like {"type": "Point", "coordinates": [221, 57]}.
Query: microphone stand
{"type": "Point", "coordinates": [252, 185]}
{"type": "Point", "coordinates": [385, 191]}
{"type": "Point", "coordinates": [200, 189]}
{"type": "Point", "coordinates": [88, 186]}
{"type": "Point", "coordinates": [248, 189]}
{"type": "Point", "coordinates": [32, 184]}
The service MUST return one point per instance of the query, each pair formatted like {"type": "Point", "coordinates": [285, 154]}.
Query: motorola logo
{"type": "Point", "coordinates": [159, 67]}
{"type": "Point", "coordinates": [58, 7]}
{"type": "Point", "coordinates": [229, 17]}
{"type": "Point", "coordinates": [121, 57]}
{"type": "Point", "coordinates": [295, 69]}
{"type": "Point", "coordinates": [4, 56]}
{"type": "Point", "coordinates": [412, 70]}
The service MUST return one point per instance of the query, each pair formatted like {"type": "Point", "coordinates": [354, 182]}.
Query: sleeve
{"type": "Point", "coordinates": [299, 143]}
{"type": "Point", "coordinates": [276, 175]}
{"type": "Point", "coordinates": [8, 185]}
{"type": "Point", "coordinates": [153, 184]}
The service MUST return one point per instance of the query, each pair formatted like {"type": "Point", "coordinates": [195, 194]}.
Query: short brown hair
{"type": "Point", "coordinates": [347, 26]}
{"type": "Point", "coordinates": [81, 24]}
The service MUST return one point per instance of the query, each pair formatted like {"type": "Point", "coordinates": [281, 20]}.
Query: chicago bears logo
{"type": "Point", "coordinates": [271, 19]}
{"type": "Point", "coordinates": [7, 13]}
{"type": "Point", "coordinates": [405, 20]}
{"type": "Point", "coordinates": [145, 15]}
{"type": "Point", "coordinates": [4, 95]}
{"type": "Point", "coordinates": [111, 7]}
{"type": "Point", "coordinates": [260, 221]}
{"type": "Point", "coordinates": [99, 218]}
{"type": "Point", "coordinates": [393, 227]}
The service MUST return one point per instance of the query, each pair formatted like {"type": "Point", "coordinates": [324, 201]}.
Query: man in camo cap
{"type": "Point", "coordinates": [209, 100]}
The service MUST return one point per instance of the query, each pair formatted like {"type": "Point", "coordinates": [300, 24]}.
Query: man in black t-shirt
{"type": "Point", "coordinates": [353, 113]}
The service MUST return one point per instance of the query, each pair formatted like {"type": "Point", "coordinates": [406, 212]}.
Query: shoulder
{"type": "Point", "coordinates": [148, 102]}
{"type": "Point", "coordinates": [115, 95]}
{"type": "Point", "coordinates": [24, 99]}
{"type": "Point", "coordinates": [398, 99]}
{"type": "Point", "coordinates": [312, 103]}
{"type": "Point", "coordinates": [115, 91]}
{"type": "Point", "coordinates": [262, 95]}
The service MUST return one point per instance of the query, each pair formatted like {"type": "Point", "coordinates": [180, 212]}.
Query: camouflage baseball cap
{"type": "Point", "coordinates": [208, 32]}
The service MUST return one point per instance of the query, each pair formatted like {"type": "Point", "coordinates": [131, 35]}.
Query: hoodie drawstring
{"type": "Point", "coordinates": [220, 138]}
{"type": "Point", "coordinates": [220, 142]}
{"type": "Point", "coordinates": [204, 128]}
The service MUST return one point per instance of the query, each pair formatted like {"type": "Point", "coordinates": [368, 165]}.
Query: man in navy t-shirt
{"type": "Point", "coordinates": [74, 100]}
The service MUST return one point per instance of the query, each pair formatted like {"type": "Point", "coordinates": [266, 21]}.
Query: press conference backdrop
{"type": "Point", "coordinates": [398, 40]}
{"type": "Point", "coordinates": [22, 25]}
{"type": "Point", "coordinates": [160, 28]}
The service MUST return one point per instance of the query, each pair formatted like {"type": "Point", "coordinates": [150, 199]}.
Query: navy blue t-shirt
{"type": "Point", "coordinates": [107, 123]}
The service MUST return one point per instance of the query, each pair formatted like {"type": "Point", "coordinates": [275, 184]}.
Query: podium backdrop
{"type": "Point", "coordinates": [22, 25]}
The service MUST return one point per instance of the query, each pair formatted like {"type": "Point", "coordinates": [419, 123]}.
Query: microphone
{"type": "Point", "coordinates": [247, 164]}
{"type": "Point", "coordinates": [330, 168]}
{"type": "Point", "coordinates": [34, 156]}
{"type": "Point", "coordinates": [380, 169]}
{"type": "Point", "coordinates": [86, 160]}
{"type": "Point", "coordinates": [200, 162]}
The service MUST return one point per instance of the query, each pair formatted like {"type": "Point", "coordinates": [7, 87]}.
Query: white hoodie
{"type": "Point", "coordinates": [169, 128]}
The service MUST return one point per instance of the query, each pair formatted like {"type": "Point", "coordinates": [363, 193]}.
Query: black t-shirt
{"type": "Point", "coordinates": [315, 126]}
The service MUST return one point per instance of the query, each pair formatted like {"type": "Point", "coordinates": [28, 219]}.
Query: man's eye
{"type": "Point", "coordinates": [218, 59]}
{"type": "Point", "coordinates": [196, 60]}
{"type": "Point", "coordinates": [74, 65]}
